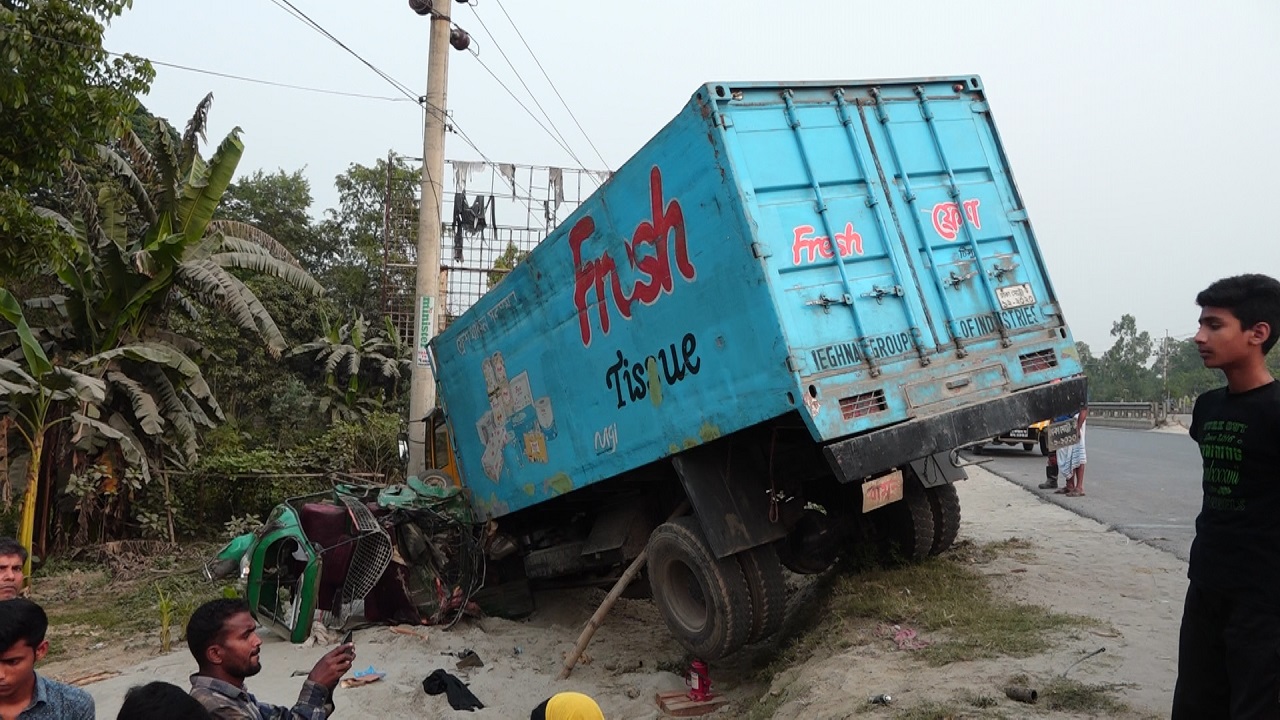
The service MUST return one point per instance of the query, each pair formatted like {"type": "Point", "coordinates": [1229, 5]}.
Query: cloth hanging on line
{"type": "Point", "coordinates": [469, 219]}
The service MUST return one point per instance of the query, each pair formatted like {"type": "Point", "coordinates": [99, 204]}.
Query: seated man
{"type": "Point", "coordinates": [23, 693]}
{"type": "Point", "coordinates": [12, 559]}
{"type": "Point", "coordinates": [223, 638]}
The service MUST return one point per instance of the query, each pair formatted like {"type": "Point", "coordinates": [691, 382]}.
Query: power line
{"type": "Point", "coordinates": [524, 107]}
{"type": "Point", "coordinates": [563, 141]}
{"type": "Point", "coordinates": [553, 85]}
{"type": "Point", "coordinates": [295, 12]}
{"type": "Point", "coordinates": [229, 76]}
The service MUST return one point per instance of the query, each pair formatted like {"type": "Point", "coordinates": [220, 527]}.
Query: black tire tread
{"type": "Point", "coordinates": [724, 589]}
{"type": "Point", "coordinates": [906, 526]}
{"type": "Point", "coordinates": [944, 504]}
{"type": "Point", "coordinates": [767, 585]}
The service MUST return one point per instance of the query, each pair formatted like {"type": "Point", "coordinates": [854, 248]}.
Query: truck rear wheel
{"type": "Point", "coordinates": [765, 582]}
{"type": "Point", "coordinates": [704, 600]}
{"type": "Point", "coordinates": [906, 527]}
{"type": "Point", "coordinates": [944, 505]}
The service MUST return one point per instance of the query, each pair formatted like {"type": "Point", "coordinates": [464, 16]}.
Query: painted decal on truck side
{"type": "Point", "coordinates": [663, 233]}
{"type": "Point", "coordinates": [675, 367]}
{"type": "Point", "coordinates": [947, 219]}
{"type": "Point", "coordinates": [806, 247]}
{"type": "Point", "coordinates": [847, 354]}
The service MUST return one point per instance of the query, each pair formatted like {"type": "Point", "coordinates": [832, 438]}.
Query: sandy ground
{"type": "Point", "coordinates": [1074, 565]}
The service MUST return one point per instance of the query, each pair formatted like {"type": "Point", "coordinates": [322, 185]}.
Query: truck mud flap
{"type": "Point", "coordinates": [857, 457]}
{"type": "Point", "coordinates": [728, 486]}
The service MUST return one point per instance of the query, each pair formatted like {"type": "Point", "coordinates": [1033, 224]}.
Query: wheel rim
{"type": "Point", "coordinates": [686, 601]}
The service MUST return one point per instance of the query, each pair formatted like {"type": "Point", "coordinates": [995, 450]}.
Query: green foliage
{"type": "Point", "coordinates": [144, 243]}
{"type": "Point", "coordinates": [232, 483]}
{"type": "Point", "coordinates": [376, 203]}
{"type": "Point", "coordinates": [505, 262]}
{"type": "Point", "coordinates": [361, 367]}
{"type": "Point", "coordinates": [61, 94]}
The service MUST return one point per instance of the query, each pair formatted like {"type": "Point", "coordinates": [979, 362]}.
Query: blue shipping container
{"type": "Point", "coordinates": [855, 254]}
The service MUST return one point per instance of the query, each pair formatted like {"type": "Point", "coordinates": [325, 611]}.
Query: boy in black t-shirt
{"type": "Point", "coordinates": [1229, 647]}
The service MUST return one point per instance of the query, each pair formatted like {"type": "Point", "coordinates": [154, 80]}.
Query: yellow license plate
{"type": "Point", "coordinates": [881, 491]}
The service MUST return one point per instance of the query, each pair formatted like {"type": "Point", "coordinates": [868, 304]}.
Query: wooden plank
{"type": "Point", "coordinates": [676, 703]}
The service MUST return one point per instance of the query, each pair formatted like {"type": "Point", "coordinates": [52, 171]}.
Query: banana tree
{"type": "Point", "coordinates": [29, 391]}
{"type": "Point", "coordinates": [360, 367]}
{"type": "Point", "coordinates": [145, 244]}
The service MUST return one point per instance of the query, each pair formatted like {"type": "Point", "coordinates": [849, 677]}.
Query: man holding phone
{"type": "Point", "coordinates": [223, 638]}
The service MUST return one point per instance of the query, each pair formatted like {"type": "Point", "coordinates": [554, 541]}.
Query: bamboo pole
{"type": "Point", "coordinates": [597, 619]}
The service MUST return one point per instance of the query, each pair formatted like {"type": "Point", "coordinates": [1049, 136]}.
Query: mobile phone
{"type": "Point", "coordinates": [346, 638]}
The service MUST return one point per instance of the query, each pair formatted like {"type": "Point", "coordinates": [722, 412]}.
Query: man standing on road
{"type": "Point", "coordinates": [12, 558]}
{"type": "Point", "coordinates": [223, 638]}
{"type": "Point", "coordinates": [1229, 647]}
{"type": "Point", "coordinates": [24, 694]}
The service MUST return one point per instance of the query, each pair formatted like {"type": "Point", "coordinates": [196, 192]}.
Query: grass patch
{"type": "Point", "coordinates": [87, 606]}
{"type": "Point", "coordinates": [946, 597]}
{"type": "Point", "coordinates": [1075, 696]}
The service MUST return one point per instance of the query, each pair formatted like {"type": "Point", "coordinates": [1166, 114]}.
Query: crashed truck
{"type": "Point", "coordinates": [755, 347]}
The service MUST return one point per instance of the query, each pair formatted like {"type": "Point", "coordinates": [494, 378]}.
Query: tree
{"type": "Point", "coordinates": [260, 396]}
{"type": "Point", "coordinates": [374, 202]}
{"type": "Point", "coordinates": [144, 244]}
{"type": "Point", "coordinates": [61, 93]}
{"type": "Point", "coordinates": [362, 368]}
{"type": "Point", "coordinates": [1123, 372]}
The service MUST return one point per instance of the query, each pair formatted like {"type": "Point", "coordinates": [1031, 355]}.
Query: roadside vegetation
{"type": "Point", "coordinates": [944, 610]}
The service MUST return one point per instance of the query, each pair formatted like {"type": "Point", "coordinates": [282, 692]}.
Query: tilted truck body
{"type": "Point", "coordinates": [786, 308]}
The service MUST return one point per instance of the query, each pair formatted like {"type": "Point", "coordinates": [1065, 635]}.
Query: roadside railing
{"type": "Point", "coordinates": [1132, 415]}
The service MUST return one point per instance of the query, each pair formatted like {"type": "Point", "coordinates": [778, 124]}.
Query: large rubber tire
{"type": "Point", "coordinates": [944, 505]}
{"type": "Point", "coordinates": [1044, 444]}
{"type": "Point", "coordinates": [704, 600]}
{"type": "Point", "coordinates": [1028, 447]}
{"type": "Point", "coordinates": [906, 526]}
{"type": "Point", "coordinates": [763, 573]}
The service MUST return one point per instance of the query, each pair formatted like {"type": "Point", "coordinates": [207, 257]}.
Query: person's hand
{"type": "Point", "coordinates": [335, 663]}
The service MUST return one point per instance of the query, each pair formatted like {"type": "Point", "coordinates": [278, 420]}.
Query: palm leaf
{"type": "Point", "coordinates": [336, 355]}
{"type": "Point", "coordinates": [144, 406]}
{"type": "Point", "coordinates": [210, 281]}
{"type": "Point", "coordinates": [184, 303]}
{"type": "Point", "coordinates": [66, 225]}
{"type": "Point", "coordinates": [184, 344]}
{"type": "Point", "coordinates": [55, 302]}
{"type": "Point", "coordinates": [171, 406]}
{"type": "Point", "coordinates": [11, 310]}
{"type": "Point", "coordinates": [148, 353]}
{"type": "Point", "coordinates": [166, 160]}
{"type": "Point", "coordinates": [140, 160]}
{"type": "Point", "coordinates": [196, 211]}
{"type": "Point", "coordinates": [198, 414]}
{"type": "Point", "coordinates": [132, 183]}
{"type": "Point", "coordinates": [12, 388]}
{"type": "Point", "coordinates": [83, 201]}
{"type": "Point", "coordinates": [114, 222]}
{"type": "Point", "coordinates": [294, 275]}
{"type": "Point", "coordinates": [194, 133]}
{"type": "Point", "coordinates": [67, 384]}
{"type": "Point", "coordinates": [233, 230]}
{"type": "Point", "coordinates": [129, 445]}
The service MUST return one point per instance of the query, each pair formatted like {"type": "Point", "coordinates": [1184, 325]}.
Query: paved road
{"type": "Point", "coordinates": [1143, 484]}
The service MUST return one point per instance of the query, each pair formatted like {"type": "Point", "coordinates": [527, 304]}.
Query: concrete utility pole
{"type": "Point", "coordinates": [422, 386]}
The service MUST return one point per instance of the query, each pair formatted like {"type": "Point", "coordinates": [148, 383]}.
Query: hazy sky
{"type": "Point", "coordinates": [1140, 133]}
